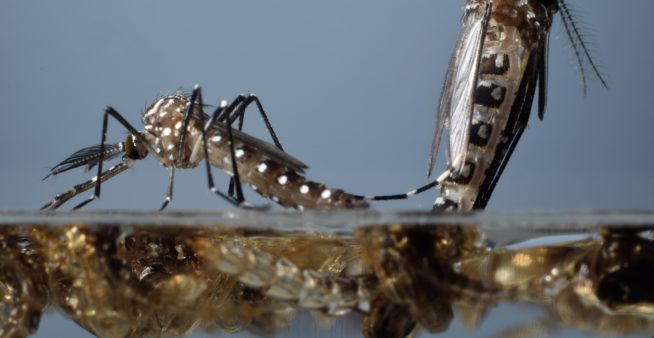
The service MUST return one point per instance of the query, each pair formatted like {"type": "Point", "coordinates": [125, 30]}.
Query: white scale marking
{"type": "Point", "coordinates": [499, 60]}
{"type": "Point", "coordinates": [483, 131]}
{"type": "Point", "coordinates": [216, 138]}
{"type": "Point", "coordinates": [466, 171]}
{"type": "Point", "coordinates": [155, 108]}
{"type": "Point", "coordinates": [485, 83]}
{"type": "Point", "coordinates": [167, 131]}
{"type": "Point", "coordinates": [326, 194]}
{"type": "Point", "coordinates": [239, 153]}
{"type": "Point", "coordinates": [166, 106]}
{"type": "Point", "coordinates": [282, 179]}
{"type": "Point", "coordinates": [497, 93]}
{"type": "Point", "coordinates": [304, 189]}
{"type": "Point", "coordinates": [531, 15]}
{"type": "Point", "coordinates": [262, 167]}
{"type": "Point", "coordinates": [443, 176]}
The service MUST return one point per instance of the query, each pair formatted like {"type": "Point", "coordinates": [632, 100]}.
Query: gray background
{"type": "Point", "coordinates": [351, 88]}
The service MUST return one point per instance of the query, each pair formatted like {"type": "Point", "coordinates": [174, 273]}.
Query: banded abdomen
{"type": "Point", "coordinates": [494, 71]}
{"type": "Point", "coordinates": [500, 58]}
{"type": "Point", "coordinates": [276, 180]}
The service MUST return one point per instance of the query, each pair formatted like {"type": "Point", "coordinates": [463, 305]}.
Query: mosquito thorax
{"type": "Point", "coordinates": [162, 127]}
{"type": "Point", "coordinates": [530, 17]}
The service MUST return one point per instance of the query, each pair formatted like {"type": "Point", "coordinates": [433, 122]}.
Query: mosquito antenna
{"type": "Point", "coordinates": [88, 157]}
{"type": "Point", "coordinates": [578, 45]}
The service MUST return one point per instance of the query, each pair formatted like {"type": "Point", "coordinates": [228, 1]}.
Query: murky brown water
{"type": "Point", "coordinates": [397, 273]}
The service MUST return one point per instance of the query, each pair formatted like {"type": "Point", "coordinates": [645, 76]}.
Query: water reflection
{"type": "Point", "coordinates": [149, 277]}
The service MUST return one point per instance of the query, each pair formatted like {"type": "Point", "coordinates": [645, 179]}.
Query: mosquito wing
{"type": "Point", "coordinates": [457, 96]}
{"type": "Point", "coordinates": [269, 149]}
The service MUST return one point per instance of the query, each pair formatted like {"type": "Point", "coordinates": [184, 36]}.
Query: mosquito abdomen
{"type": "Point", "coordinates": [501, 100]}
{"type": "Point", "coordinates": [276, 181]}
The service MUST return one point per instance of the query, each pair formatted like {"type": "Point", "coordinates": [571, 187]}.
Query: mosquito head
{"type": "Point", "coordinates": [163, 122]}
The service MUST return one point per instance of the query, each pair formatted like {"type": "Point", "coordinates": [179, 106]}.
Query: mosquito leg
{"type": "Point", "coordinates": [222, 112]}
{"type": "Point", "coordinates": [96, 193]}
{"type": "Point", "coordinates": [239, 105]}
{"type": "Point", "coordinates": [241, 119]}
{"type": "Point", "coordinates": [195, 96]}
{"type": "Point", "coordinates": [236, 178]}
{"type": "Point", "coordinates": [222, 109]}
{"type": "Point", "coordinates": [61, 198]}
{"type": "Point", "coordinates": [228, 115]}
{"type": "Point", "coordinates": [237, 108]}
{"type": "Point", "coordinates": [230, 188]}
{"type": "Point", "coordinates": [212, 186]}
{"type": "Point", "coordinates": [244, 101]}
{"type": "Point", "coordinates": [109, 111]}
{"type": "Point", "coordinates": [169, 192]}
{"type": "Point", "coordinates": [399, 196]}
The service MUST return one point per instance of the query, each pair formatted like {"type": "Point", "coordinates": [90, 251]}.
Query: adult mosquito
{"type": "Point", "coordinates": [179, 134]}
{"type": "Point", "coordinates": [499, 60]}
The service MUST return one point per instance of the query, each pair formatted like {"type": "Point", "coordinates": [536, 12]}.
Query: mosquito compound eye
{"type": "Point", "coordinates": [129, 146]}
{"type": "Point", "coordinates": [133, 149]}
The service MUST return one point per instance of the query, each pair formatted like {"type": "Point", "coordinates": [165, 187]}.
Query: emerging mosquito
{"type": "Point", "coordinates": [180, 135]}
{"type": "Point", "coordinates": [500, 57]}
